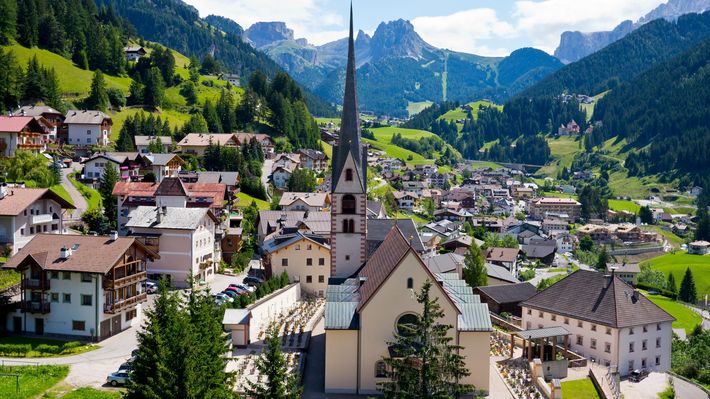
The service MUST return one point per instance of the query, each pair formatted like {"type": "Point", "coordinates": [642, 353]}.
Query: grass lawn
{"type": "Point", "coordinates": [34, 380]}
{"type": "Point", "coordinates": [458, 113]}
{"type": "Point", "coordinates": [555, 194]}
{"type": "Point", "coordinates": [246, 199]}
{"type": "Point", "coordinates": [685, 318]}
{"type": "Point", "coordinates": [563, 151]}
{"type": "Point", "coordinates": [73, 81]}
{"type": "Point", "coordinates": [414, 108]}
{"type": "Point", "coordinates": [485, 165]}
{"type": "Point", "coordinates": [92, 197]}
{"type": "Point", "coordinates": [384, 139]}
{"type": "Point", "coordinates": [399, 153]}
{"type": "Point", "coordinates": [327, 149]}
{"type": "Point", "coordinates": [623, 205]}
{"type": "Point", "coordinates": [45, 347]}
{"type": "Point", "coordinates": [678, 262]}
{"type": "Point", "coordinates": [579, 389]}
{"type": "Point", "coordinates": [410, 215]}
{"type": "Point", "coordinates": [62, 192]}
{"type": "Point", "coordinates": [8, 278]}
{"type": "Point", "coordinates": [672, 238]}
{"type": "Point", "coordinates": [174, 118]}
{"type": "Point", "coordinates": [91, 393]}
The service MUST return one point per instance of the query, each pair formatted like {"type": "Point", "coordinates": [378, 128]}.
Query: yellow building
{"type": "Point", "coordinates": [363, 312]}
{"type": "Point", "coordinates": [304, 256]}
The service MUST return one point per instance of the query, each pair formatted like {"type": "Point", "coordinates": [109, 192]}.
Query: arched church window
{"type": "Point", "coordinates": [349, 204]}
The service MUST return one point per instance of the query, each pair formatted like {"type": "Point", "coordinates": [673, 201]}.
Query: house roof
{"type": "Point", "coordinates": [163, 159]}
{"type": "Point", "coordinates": [171, 218]}
{"type": "Point", "coordinates": [377, 230]}
{"type": "Point", "coordinates": [502, 254]}
{"type": "Point", "coordinates": [539, 251]}
{"type": "Point", "coordinates": [313, 154]}
{"type": "Point", "coordinates": [556, 201]}
{"type": "Point", "coordinates": [597, 298]}
{"type": "Point", "coordinates": [14, 124]}
{"type": "Point", "coordinates": [18, 199]}
{"type": "Point", "coordinates": [236, 316]}
{"type": "Point", "coordinates": [500, 273]}
{"type": "Point", "coordinates": [171, 187]}
{"type": "Point", "coordinates": [146, 140]}
{"type": "Point", "coordinates": [135, 49]}
{"type": "Point", "coordinates": [374, 208]}
{"type": "Point", "coordinates": [135, 189]}
{"type": "Point", "coordinates": [204, 139]}
{"type": "Point", "coordinates": [116, 157]}
{"type": "Point", "coordinates": [508, 293]}
{"type": "Point", "coordinates": [93, 254]}
{"type": "Point", "coordinates": [624, 267]}
{"type": "Point", "coordinates": [310, 199]}
{"type": "Point", "coordinates": [85, 117]}
{"type": "Point", "coordinates": [282, 241]}
{"type": "Point", "coordinates": [245, 137]}
{"type": "Point", "coordinates": [443, 263]}
{"type": "Point", "coordinates": [317, 222]}
{"type": "Point", "coordinates": [36, 110]}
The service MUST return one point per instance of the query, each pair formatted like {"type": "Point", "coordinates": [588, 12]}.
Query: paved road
{"type": "Point", "coordinates": [686, 390]}
{"type": "Point", "coordinates": [79, 201]}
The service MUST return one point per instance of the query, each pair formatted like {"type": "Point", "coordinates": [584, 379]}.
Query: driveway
{"type": "Point", "coordinates": [76, 197]}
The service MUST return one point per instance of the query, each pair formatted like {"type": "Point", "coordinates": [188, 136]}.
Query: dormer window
{"type": "Point", "coordinates": [348, 174]}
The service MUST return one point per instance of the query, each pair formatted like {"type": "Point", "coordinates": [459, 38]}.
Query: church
{"type": "Point", "coordinates": [369, 295]}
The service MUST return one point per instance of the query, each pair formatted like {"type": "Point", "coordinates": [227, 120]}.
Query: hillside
{"type": "Point", "coordinates": [383, 136]}
{"type": "Point", "coordinates": [650, 45]}
{"type": "Point", "coordinates": [398, 70]}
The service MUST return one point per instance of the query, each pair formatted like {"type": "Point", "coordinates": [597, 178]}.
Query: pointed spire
{"type": "Point", "coordinates": [350, 121]}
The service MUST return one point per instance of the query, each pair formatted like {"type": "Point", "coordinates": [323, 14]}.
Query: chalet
{"type": "Point", "coordinates": [312, 202]}
{"type": "Point", "coordinates": [314, 160]}
{"type": "Point", "coordinates": [90, 287]}
{"type": "Point", "coordinates": [628, 272]}
{"type": "Point", "coordinates": [86, 128]}
{"type": "Point", "coordinates": [699, 247]}
{"type": "Point", "coordinates": [134, 53]}
{"type": "Point", "coordinates": [143, 142]}
{"type": "Point", "coordinates": [20, 133]}
{"type": "Point", "coordinates": [197, 143]}
{"type": "Point", "coordinates": [51, 118]}
{"type": "Point", "coordinates": [506, 257]}
{"type": "Point", "coordinates": [231, 78]}
{"type": "Point", "coordinates": [405, 199]}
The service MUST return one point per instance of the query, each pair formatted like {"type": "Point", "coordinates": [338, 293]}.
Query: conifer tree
{"type": "Point", "coordinates": [687, 292]}
{"type": "Point", "coordinates": [475, 272]}
{"type": "Point", "coordinates": [156, 146]}
{"type": "Point", "coordinates": [33, 83]}
{"type": "Point", "coordinates": [125, 141]}
{"type": "Point", "coordinates": [27, 23]}
{"type": "Point", "coordinates": [427, 363]}
{"type": "Point", "coordinates": [209, 111]}
{"type": "Point", "coordinates": [671, 284]}
{"type": "Point", "coordinates": [108, 181]}
{"type": "Point", "coordinates": [8, 22]}
{"type": "Point", "coordinates": [51, 95]}
{"type": "Point", "coordinates": [98, 97]}
{"type": "Point", "coordinates": [154, 88]}
{"type": "Point", "coordinates": [279, 384]}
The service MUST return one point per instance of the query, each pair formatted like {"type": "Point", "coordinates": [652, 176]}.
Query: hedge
{"type": "Point", "coordinates": [15, 349]}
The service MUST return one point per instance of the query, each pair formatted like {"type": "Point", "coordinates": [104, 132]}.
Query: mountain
{"type": "Point", "coordinates": [663, 111]}
{"type": "Point", "coordinates": [226, 25]}
{"type": "Point", "coordinates": [178, 25]}
{"type": "Point", "coordinates": [397, 67]}
{"type": "Point", "coordinates": [650, 45]}
{"type": "Point", "coordinates": [577, 45]}
{"type": "Point", "coordinates": [263, 33]}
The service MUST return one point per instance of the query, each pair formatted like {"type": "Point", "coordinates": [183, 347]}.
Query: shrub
{"type": "Point", "coordinates": [71, 345]}
{"type": "Point", "coordinates": [44, 348]}
{"type": "Point", "coordinates": [15, 349]}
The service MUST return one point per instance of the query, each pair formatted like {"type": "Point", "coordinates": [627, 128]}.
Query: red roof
{"type": "Point", "coordinates": [135, 189]}
{"type": "Point", "coordinates": [14, 123]}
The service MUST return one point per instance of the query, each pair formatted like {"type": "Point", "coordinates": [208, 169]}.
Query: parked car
{"type": "Point", "coordinates": [237, 290]}
{"type": "Point", "coordinates": [231, 294]}
{"type": "Point", "coordinates": [638, 375]}
{"type": "Point", "coordinates": [252, 281]}
{"type": "Point", "coordinates": [151, 287]}
{"type": "Point", "coordinates": [127, 366]}
{"type": "Point", "coordinates": [118, 378]}
{"type": "Point", "coordinates": [223, 297]}
{"type": "Point", "coordinates": [243, 287]}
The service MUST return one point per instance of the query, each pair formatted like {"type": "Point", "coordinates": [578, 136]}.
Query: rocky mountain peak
{"type": "Point", "coordinates": [397, 39]}
{"type": "Point", "coordinates": [262, 34]}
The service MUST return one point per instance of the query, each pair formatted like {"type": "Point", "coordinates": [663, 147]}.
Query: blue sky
{"type": "Point", "coordinates": [485, 27]}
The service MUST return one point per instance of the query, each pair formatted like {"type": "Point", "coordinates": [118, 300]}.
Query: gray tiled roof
{"type": "Point", "coordinates": [377, 230]}
{"type": "Point", "coordinates": [594, 297]}
{"type": "Point", "coordinates": [174, 218]}
{"type": "Point", "coordinates": [509, 293]}
{"type": "Point", "coordinates": [86, 117]}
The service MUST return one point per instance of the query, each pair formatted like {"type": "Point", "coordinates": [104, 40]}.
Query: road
{"type": "Point", "coordinates": [76, 197]}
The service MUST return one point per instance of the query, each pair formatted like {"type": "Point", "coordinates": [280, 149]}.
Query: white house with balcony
{"type": "Point", "coordinates": [25, 212]}
{"type": "Point", "coordinates": [610, 323]}
{"type": "Point", "coordinates": [87, 128]}
{"type": "Point", "coordinates": [183, 237]}
{"type": "Point", "coordinates": [90, 287]}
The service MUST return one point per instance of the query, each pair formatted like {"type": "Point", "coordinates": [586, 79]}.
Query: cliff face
{"type": "Point", "coordinates": [265, 33]}
{"type": "Point", "coordinates": [577, 45]}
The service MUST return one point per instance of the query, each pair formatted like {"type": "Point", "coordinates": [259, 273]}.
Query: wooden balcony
{"type": "Point", "coordinates": [34, 307]}
{"type": "Point", "coordinates": [124, 281]}
{"type": "Point", "coordinates": [35, 284]}
{"type": "Point", "coordinates": [121, 305]}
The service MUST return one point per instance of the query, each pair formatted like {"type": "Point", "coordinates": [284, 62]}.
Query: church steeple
{"type": "Point", "coordinates": [350, 120]}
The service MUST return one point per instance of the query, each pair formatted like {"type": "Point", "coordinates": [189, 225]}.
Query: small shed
{"type": "Point", "coordinates": [236, 322]}
{"type": "Point", "coordinates": [506, 297]}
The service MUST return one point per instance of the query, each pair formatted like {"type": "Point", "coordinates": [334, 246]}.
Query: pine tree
{"type": "Point", "coordinates": [8, 22]}
{"type": "Point", "coordinates": [98, 97]}
{"type": "Point", "coordinates": [427, 363]}
{"type": "Point", "coordinates": [11, 79]}
{"type": "Point", "coordinates": [280, 384]}
{"type": "Point", "coordinates": [188, 91]}
{"type": "Point", "coordinates": [475, 272]}
{"type": "Point", "coordinates": [108, 181]}
{"type": "Point", "coordinates": [225, 110]}
{"type": "Point", "coordinates": [687, 292]}
{"type": "Point", "coordinates": [602, 259]}
{"type": "Point", "coordinates": [125, 141]}
{"type": "Point", "coordinates": [33, 89]}
{"type": "Point", "coordinates": [156, 146]}
{"type": "Point", "coordinates": [51, 95]}
{"type": "Point", "coordinates": [154, 88]}
{"type": "Point", "coordinates": [671, 284]}
{"type": "Point", "coordinates": [702, 231]}
{"type": "Point", "coordinates": [209, 111]}
{"type": "Point", "coordinates": [27, 23]}
{"type": "Point", "coordinates": [302, 180]}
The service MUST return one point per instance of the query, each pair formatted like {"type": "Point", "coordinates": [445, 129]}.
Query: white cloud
{"type": "Point", "coordinates": [307, 18]}
{"type": "Point", "coordinates": [543, 21]}
{"type": "Point", "coordinates": [465, 31]}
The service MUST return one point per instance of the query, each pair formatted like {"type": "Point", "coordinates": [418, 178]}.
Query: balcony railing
{"type": "Point", "coordinates": [35, 284]}
{"type": "Point", "coordinates": [43, 218]}
{"type": "Point", "coordinates": [118, 306]}
{"type": "Point", "coordinates": [124, 281]}
{"type": "Point", "coordinates": [34, 307]}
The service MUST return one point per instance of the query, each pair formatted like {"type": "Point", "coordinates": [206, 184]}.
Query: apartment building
{"type": "Point", "coordinates": [89, 287]}
{"type": "Point", "coordinates": [611, 323]}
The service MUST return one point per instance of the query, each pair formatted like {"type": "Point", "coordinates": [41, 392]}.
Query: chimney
{"type": "Point", "coordinates": [64, 253]}
{"type": "Point", "coordinates": [114, 235]}
{"type": "Point", "coordinates": [362, 280]}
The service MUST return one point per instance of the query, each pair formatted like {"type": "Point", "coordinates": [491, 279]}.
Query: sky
{"type": "Point", "coordinates": [483, 27]}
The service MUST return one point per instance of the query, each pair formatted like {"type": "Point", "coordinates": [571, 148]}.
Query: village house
{"type": "Point", "coordinates": [506, 257]}
{"type": "Point", "coordinates": [541, 208]}
{"type": "Point", "coordinates": [522, 193]}
{"type": "Point", "coordinates": [566, 242]}
{"type": "Point", "coordinates": [25, 212]}
{"type": "Point", "coordinates": [231, 78]}
{"type": "Point", "coordinates": [304, 256]}
{"type": "Point", "coordinates": [183, 237]}
{"type": "Point", "coordinates": [281, 174]}
{"type": "Point", "coordinates": [699, 247]}
{"type": "Point", "coordinates": [143, 142]}
{"type": "Point", "coordinates": [20, 133]}
{"type": "Point", "coordinates": [572, 128]}
{"type": "Point", "coordinates": [552, 225]}
{"type": "Point", "coordinates": [229, 179]}
{"type": "Point", "coordinates": [312, 202]}
{"type": "Point", "coordinates": [314, 160]}
{"type": "Point", "coordinates": [50, 117]}
{"type": "Point", "coordinates": [271, 222]}
{"type": "Point", "coordinates": [405, 199]}
{"type": "Point", "coordinates": [624, 233]}
{"type": "Point", "coordinates": [197, 143]}
{"type": "Point", "coordinates": [126, 164]}
{"type": "Point", "coordinates": [162, 165]}
{"type": "Point", "coordinates": [83, 286]}
{"type": "Point", "coordinates": [86, 128]}
{"type": "Point", "coordinates": [628, 272]}
{"type": "Point", "coordinates": [170, 192]}
{"type": "Point", "coordinates": [363, 314]}
{"type": "Point", "coordinates": [134, 53]}
{"type": "Point", "coordinates": [414, 186]}
{"type": "Point", "coordinates": [610, 322]}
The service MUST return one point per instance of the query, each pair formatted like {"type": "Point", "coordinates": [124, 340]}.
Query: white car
{"type": "Point", "coordinates": [151, 287]}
